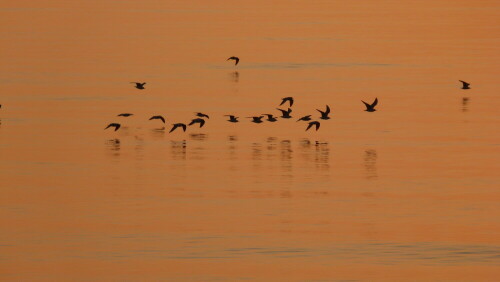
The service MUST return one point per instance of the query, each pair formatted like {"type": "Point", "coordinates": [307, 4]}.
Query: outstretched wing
{"type": "Point", "coordinates": [317, 125]}
{"type": "Point", "coordinates": [237, 61]}
{"type": "Point", "coordinates": [327, 109]}
{"type": "Point", "coordinates": [173, 128]}
{"type": "Point", "coordinates": [309, 126]}
{"type": "Point", "coordinates": [283, 111]}
{"type": "Point", "coordinates": [202, 123]}
{"type": "Point", "coordinates": [183, 126]}
{"type": "Point", "coordinates": [464, 83]}
{"type": "Point", "coordinates": [162, 119]}
{"type": "Point", "coordinates": [375, 102]}
{"type": "Point", "coordinates": [368, 106]}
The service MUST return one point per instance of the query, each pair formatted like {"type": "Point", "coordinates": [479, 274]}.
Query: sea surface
{"type": "Point", "coordinates": [407, 193]}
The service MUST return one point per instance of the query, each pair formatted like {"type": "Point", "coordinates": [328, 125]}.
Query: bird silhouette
{"type": "Point", "coordinates": [256, 119]}
{"type": "Point", "coordinates": [236, 59]}
{"type": "Point", "coordinates": [289, 99]}
{"type": "Point", "coordinates": [115, 125]}
{"type": "Point", "coordinates": [198, 120]}
{"type": "Point", "coordinates": [305, 118]}
{"type": "Point", "coordinates": [232, 118]}
{"type": "Point", "coordinates": [270, 117]}
{"type": "Point", "coordinates": [316, 123]}
{"type": "Point", "coordinates": [201, 115]}
{"type": "Point", "coordinates": [324, 115]}
{"type": "Point", "coordinates": [139, 85]}
{"type": "Point", "coordinates": [465, 85]}
{"type": "Point", "coordinates": [158, 117]}
{"type": "Point", "coordinates": [285, 113]}
{"type": "Point", "coordinates": [125, 115]}
{"type": "Point", "coordinates": [370, 108]}
{"type": "Point", "coordinates": [176, 125]}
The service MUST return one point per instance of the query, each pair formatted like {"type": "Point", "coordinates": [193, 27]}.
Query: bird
{"type": "Point", "coordinates": [324, 115]}
{"type": "Point", "coordinates": [237, 60]}
{"type": "Point", "coordinates": [232, 118]}
{"type": "Point", "coordinates": [284, 100]}
{"type": "Point", "coordinates": [158, 117]}
{"type": "Point", "coordinates": [139, 85]}
{"type": "Point", "coordinates": [175, 125]}
{"type": "Point", "coordinates": [198, 120]}
{"type": "Point", "coordinates": [256, 119]}
{"type": "Point", "coordinates": [285, 113]}
{"type": "Point", "coordinates": [201, 115]}
{"type": "Point", "coordinates": [270, 117]}
{"type": "Point", "coordinates": [115, 125]}
{"type": "Point", "coordinates": [305, 118]}
{"type": "Point", "coordinates": [370, 108]}
{"type": "Point", "coordinates": [465, 85]}
{"type": "Point", "coordinates": [125, 115]}
{"type": "Point", "coordinates": [313, 123]}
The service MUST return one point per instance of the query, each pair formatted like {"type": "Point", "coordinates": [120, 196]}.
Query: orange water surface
{"type": "Point", "coordinates": [407, 193]}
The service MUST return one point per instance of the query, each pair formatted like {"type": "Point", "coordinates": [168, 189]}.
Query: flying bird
{"type": "Point", "coordinates": [270, 117]}
{"type": "Point", "coordinates": [232, 118]}
{"type": "Point", "coordinates": [465, 85]}
{"type": "Point", "coordinates": [236, 59]}
{"type": "Point", "coordinates": [370, 108]}
{"type": "Point", "coordinates": [115, 125]}
{"type": "Point", "coordinates": [285, 113]}
{"type": "Point", "coordinates": [139, 85]}
{"type": "Point", "coordinates": [158, 117]}
{"type": "Point", "coordinates": [316, 123]}
{"type": "Point", "coordinates": [324, 115]}
{"type": "Point", "coordinates": [125, 115]}
{"type": "Point", "coordinates": [201, 115]}
{"type": "Point", "coordinates": [305, 118]}
{"type": "Point", "coordinates": [256, 119]}
{"type": "Point", "coordinates": [289, 99]}
{"type": "Point", "coordinates": [198, 120]}
{"type": "Point", "coordinates": [175, 125]}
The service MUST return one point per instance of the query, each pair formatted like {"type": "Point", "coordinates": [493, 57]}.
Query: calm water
{"type": "Point", "coordinates": [409, 192]}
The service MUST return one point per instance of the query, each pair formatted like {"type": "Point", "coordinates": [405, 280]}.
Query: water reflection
{"type": "Point", "coordinates": [286, 156]}
{"type": "Point", "coordinates": [113, 146]}
{"type": "Point", "coordinates": [322, 155]}
{"type": "Point", "coordinates": [178, 149]}
{"type": "Point", "coordinates": [370, 162]}
{"type": "Point", "coordinates": [317, 152]}
{"type": "Point", "coordinates": [465, 104]}
{"type": "Point", "coordinates": [158, 133]}
{"type": "Point", "coordinates": [198, 136]}
{"type": "Point", "coordinates": [232, 148]}
{"type": "Point", "coordinates": [234, 76]}
{"type": "Point", "coordinates": [139, 148]}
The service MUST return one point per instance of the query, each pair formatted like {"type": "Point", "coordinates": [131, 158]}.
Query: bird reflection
{"type": "Point", "coordinates": [114, 146]}
{"type": "Point", "coordinates": [371, 164]}
{"type": "Point", "coordinates": [465, 104]}
{"type": "Point", "coordinates": [158, 132]}
{"type": "Point", "coordinates": [232, 147]}
{"type": "Point", "coordinates": [286, 157]}
{"type": "Point", "coordinates": [234, 76]}
{"type": "Point", "coordinates": [178, 149]}
{"type": "Point", "coordinates": [256, 151]}
{"type": "Point", "coordinates": [316, 153]}
{"type": "Point", "coordinates": [271, 146]}
{"type": "Point", "coordinates": [139, 148]}
{"type": "Point", "coordinates": [198, 136]}
{"type": "Point", "coordinates": [322, 155]}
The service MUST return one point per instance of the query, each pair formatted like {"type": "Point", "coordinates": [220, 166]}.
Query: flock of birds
{"type": "Point", "coordinates": [285, 114]}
